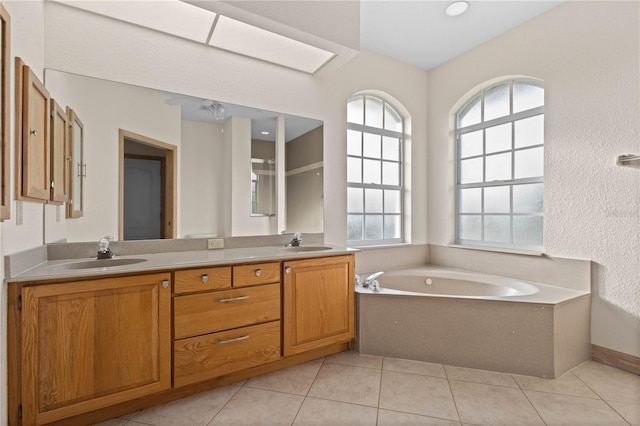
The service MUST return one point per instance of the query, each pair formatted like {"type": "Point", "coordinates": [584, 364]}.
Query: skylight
{"type": "Point", "coordinates": [200, 25]}
{"type": "Point", "coordinates": [235, 36]}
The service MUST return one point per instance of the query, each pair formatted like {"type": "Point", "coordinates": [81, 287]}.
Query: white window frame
{"type": "Point", "coordinates": [400, 187]}
{"type": "Point", "coordinates": [511, 183]}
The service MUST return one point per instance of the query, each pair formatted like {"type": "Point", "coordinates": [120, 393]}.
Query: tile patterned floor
{"type": "Point", "coordinates": [352, 389]}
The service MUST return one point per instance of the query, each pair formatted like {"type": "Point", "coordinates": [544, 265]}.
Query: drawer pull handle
{"type": "Point", "coordinates": [232, 299]}
{"type": "Point", "coordinates": [236, 339]}
{"type": "Point", "coordinates": [204, 278]}
{"type": "Point", "coordinates": [258, 272]}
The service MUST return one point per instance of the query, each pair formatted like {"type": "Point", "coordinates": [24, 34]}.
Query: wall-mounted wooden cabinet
{"type": "Point", "coordinates": [60, 156]}
{"type": "Point", "coordinates": [5, 116]}
{"type": "Point", "coordinates": [49, 146]}
{"type": "Point", "coordinates": [77, 166]}
{"type": "Point", "coordinates": [32, 133]}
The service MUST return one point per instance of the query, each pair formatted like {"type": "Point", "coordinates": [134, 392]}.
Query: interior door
{"type": "Point", "coordinates": [143, 198]}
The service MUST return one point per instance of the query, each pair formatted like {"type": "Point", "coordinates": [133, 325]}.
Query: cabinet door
{"type": "Point", "coordinates": [90, 344]}
{"type": "Point", "coordinates": [77, 166]}
{"type": "Point", "coordinates": [35, 138]}
{"type": "Point", "coordinates": [318, 303]}
{"type": "Point", "coordinates": [59, 154]}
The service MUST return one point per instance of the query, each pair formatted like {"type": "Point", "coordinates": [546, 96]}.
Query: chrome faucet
{"type": "Point", "coordinates": [296, 241]}
{"type": "Point", "coordinates": [372, 281]}
{"type": "Point", "coordinates": [104, 252]}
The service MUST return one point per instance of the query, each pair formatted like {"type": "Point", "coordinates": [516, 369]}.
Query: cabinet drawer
{"type": "Point", "coordinates": [223, 310]}
{"type": "Point", "coordinates": [202, 279]}
{"type": "Point", "coordinates": [205, 357]}
{"type": "Point", "coordinates": [259, 273]}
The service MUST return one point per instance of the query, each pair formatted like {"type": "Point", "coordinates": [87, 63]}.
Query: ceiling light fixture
{"type": "Point", "coordinates": [264, 132]}
{"type": "Point", "coordinates": [218, 111]}
{"type": "Point", "coordinates": [457, 8]}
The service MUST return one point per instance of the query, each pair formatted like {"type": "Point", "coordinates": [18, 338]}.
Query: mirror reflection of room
{"type": "Point", "coordinates": [213, 142]}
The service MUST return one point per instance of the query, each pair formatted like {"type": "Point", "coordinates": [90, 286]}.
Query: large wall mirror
{"type": "Point", "coordinates": [221, 150]}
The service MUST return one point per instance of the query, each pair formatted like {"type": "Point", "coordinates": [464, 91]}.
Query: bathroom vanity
{"type": "Point", "coordinates": [86, 344]}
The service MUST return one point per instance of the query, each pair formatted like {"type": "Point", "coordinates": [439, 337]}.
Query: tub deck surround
{"type": "Point", "coordinates": [544, 333]}
{"type": "Point", "coordinates": [412, 281]}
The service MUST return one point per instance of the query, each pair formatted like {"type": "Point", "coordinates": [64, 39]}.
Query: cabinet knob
{"type": "Point", "coordinates": [165, 283]}
{"type": "Point", "coordinates": [258, 272]}
{"type": "Point", "coordinates": [34, 132]}
{"type": "Point", "coordinates": [204, 278]}
{"type": "Point", "coordinates": [287, 269]}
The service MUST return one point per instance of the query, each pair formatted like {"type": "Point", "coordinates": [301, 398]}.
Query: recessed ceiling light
{"type": "Point", "coordinates": [457, 8]}
{"type": "Point", "coordinates": [264, 132]}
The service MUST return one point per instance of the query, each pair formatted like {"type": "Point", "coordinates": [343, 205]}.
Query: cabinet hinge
{"type": "Point", "coordinates": [51, 114]}
{"type": "Point", "coordinates": [19, 303]}
{"type": "Point", "coordinates": [20, 412]}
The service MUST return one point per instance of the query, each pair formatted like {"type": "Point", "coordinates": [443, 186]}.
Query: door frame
{"type": "Point", "coordinates": [169, 182]}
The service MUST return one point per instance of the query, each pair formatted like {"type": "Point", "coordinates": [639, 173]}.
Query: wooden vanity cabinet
{"type": "Point", "coordinates": [85, 350]}
{"type": "Point", "coordinates": [228, 328]}
{"type": "Point", "coordinates": [318, 303]}
{"type": "Point", "coordinates": [90, 344]}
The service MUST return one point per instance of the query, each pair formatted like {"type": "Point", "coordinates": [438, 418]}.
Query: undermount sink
{"type": "Point", "coordinates": [308, 248]}
{"type": "Point", "coordinates": [98, 263]}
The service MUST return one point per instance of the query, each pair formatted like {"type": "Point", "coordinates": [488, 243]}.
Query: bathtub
{"type": "Point", "coordinates": [432, 281]}
{"type": "Point", "coordinates": [462, 318]}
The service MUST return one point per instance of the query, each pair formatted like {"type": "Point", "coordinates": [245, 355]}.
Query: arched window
{"type": "Point", "coordinates": [374, 172]}
{"type": "Point", "coordinates": [500, 167]}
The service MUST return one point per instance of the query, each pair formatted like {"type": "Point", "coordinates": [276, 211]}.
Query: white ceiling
{"type": "Point", "coordinates": [419, 33]}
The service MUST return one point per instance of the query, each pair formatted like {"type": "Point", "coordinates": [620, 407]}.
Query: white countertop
{"type": "Point", "coordinates": [55, 270]}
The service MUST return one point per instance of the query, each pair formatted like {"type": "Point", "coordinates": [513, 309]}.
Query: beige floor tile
{"type": "Point", "coordinates": [296, 380]}
{"type": "Point", "coordinates": [572, 410]}
{"type": "Point", "coordinates": [597, 365]}
{"type": "Point", "coordinates": [494, 405]}
{"type": "Point", "coordinates": [323, 412]}
{"type": "Point", "coordinates": [193, 410]}
{"type": "Point", "coordinates": [417, 394]}
{"type": "Point", "coordinates": [130, 416]}
{"type": "Point", "coordinates": [395, 418]}
{"type": "Point", "coordinates": [630, 412]}
{"type": "Point", "coordinates": [355, 359]}
{"type": "Point", "coordinates": [112, 422]}
{"type": "Point", "coordinates": [612, 385]}
{"type": "Point", "coordinates": [347, 383]}
{"type": "Point", "coordinates": [480, 376]}
{"type": "Point", "coordinates": [413, 367]}
{"type": "Point", "coordinates": [259, 407]}
{"type": "Point", "coordinates": [568, 384]}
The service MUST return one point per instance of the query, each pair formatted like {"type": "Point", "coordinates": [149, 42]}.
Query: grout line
{"type": "Point", "coordinates": [226, 403]}
{"type": "Point", "coordinates": [533, 406]}
{"type": "Point", "coordinates": [453, 398]}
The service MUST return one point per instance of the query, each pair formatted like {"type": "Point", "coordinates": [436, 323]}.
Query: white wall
{"type": "Point", "coordinates": [587, 53]}
{"type": "Point", "coordinates": [201, 178]}
{"type": "Point", "coordinates": [27, 42]}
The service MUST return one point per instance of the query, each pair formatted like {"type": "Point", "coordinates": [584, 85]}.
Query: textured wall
{"type": "Point", "coordinates": [587, 53]}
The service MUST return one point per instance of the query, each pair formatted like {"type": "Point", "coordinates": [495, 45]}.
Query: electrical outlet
{"type": "Point", "coordinates": [215, 243]}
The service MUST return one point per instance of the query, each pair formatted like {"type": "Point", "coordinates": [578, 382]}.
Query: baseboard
{"type": "Point", "coordinates": [616, 359]}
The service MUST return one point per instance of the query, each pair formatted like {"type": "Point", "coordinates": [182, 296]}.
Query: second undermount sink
{"type": "Point", "coordinates": [98, 263]}
{"type": "Point", "coordinates": [308, 248]}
